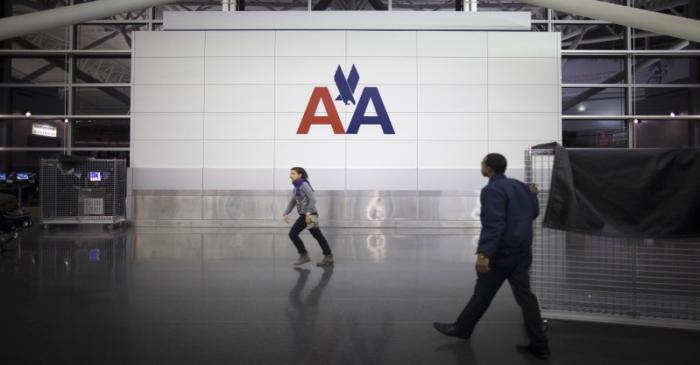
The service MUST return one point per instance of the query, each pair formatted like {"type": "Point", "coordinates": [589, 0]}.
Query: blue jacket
{"type": "Point", "coordinates": [507, 211]}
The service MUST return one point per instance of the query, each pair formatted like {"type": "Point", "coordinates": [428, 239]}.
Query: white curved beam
{"type": "Point", "coordinates": [20, 25]}
{"type": "Point", "coordinates": [675, 26]}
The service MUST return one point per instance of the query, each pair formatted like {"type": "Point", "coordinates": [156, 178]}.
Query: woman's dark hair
{"type": "Point", "coordinates": [300, 171]}
{"type": "Point", "coordinates": [496, 162]}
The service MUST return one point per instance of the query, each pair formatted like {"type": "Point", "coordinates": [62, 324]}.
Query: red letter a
{"type": "Point", "coordinates": [310, 117]}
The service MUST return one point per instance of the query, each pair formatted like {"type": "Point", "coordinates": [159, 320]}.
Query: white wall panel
{"type": "Point", "coordinates": [321, 178]}
{"type": "Point", "coordinates": [307, 70]}
{"type": "Point", "coordinates": [523, 44]}
{"type": "Point", "coordinates": [451, 71]}
{"type": "Point", "coordinates": [451, 126]}
{"type": "Point", "coordinates": [221, 111]}
{"type": "Point", "coordinates": [237, 179]}
{"type": "Point", "coordinates": [383, 70]}
{"type": "Point", "coordinates": [524, 126]}
{"type": "Point", "coordinates": [318, 154]}
{"type": "Point", "coordinates": [167, 179]}
{"type": "Point", "coordinates": [452, 44]}
{"type": "Point", "coordinates": [241, 43]}
{"type": "Point", "coordinates": [259, 126]}
{"type": "Point", "coordinates": [168, 44]}
{"type": "Point", "coordinates": [526, 99]}
{"type": "Point", "coordinates": [452, 99]}
{"type": "Point", "coordinates": [169, 71]}
{"type": "Point", "coordinates": [451, 154]}
{"type": "Point", "coordinates": [168, 98]}
{"type": "Point", "coordinates": [238, 154]}
{"type": "Point", "coordinates": [240, 70]}
{"type": "Point", "coordinates": [516, 71]}
{"type": "Point", "coordinates": [310, 43]}
{"type": "Point", "coordinates": [381, 154]}
{"type": "Point", "coordinates": [382, 179]}
{"type": "Point", "coordinates": [381, 43]}
{"type": "Point", "coordinates": [167, 126]}
{"type": "Point", "coordinates": [452, 179]}
{"type": "Point", "coordinates": [239, 98]}
{"type": "Point", "coordinates": [167, 154]}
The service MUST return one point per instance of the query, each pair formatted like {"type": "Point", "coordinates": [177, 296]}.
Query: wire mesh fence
{"type": "Point", "coordinates": [631, 280]}
{"type": "Point", "coordinates": [82, 191]}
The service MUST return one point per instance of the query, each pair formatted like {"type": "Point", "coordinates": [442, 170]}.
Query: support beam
{"type": "Point", "coordinates": [20, 25]}
{"type": "Point", "coordinates": [674, 26]}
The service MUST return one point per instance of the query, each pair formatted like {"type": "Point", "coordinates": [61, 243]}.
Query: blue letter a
{"type": "Point", "coordinates": [359, 117]}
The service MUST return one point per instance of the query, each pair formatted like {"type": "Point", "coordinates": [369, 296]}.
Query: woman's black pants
{"type": "Point", "coordinates": [298, 227]}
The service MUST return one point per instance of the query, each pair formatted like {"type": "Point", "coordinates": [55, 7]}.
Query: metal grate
{"type": "Point", "coordinates": [639, 281]}
{"type": "Point", "coordinates": [82, 191]}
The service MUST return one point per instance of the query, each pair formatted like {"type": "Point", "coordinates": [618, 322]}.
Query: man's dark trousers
{"type": "Point", "coordinates": [515, 268]}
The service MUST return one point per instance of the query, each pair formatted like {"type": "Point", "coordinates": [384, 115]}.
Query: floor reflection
{"type": "Point", "coordinates": [302, 317]}
{"type": "Point", "coordinates": [214, 296]}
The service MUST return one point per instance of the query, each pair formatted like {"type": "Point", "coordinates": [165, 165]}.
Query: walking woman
{"type": "Point", "coordinates": [305, 201]}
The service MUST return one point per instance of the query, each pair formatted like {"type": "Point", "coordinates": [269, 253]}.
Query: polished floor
{"type": "Point", "coordinates": [185, 296]}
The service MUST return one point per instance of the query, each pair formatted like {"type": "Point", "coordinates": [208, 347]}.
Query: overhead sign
{"type": "Point", "coordinates": [44, 130]}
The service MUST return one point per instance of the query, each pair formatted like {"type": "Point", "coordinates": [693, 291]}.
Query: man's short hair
{"type": "Point", "coordinates": [496, 162]}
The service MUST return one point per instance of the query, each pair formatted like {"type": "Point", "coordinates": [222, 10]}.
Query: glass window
{"type": "Point", "coordinates": [429, 5]}
{"type": "Point", "coordinates": [51, 39]}
{"type": "Point", "coordinates": [195, 5]}
{"type": "Point", "coordinates": [26, 162]}
{"type": "Point", "coordinates": [671, 133]}
{"type": "Point", "coordinates": [113, 70]}
{"type": "Point", "coordinates": [32, 133]}
{"type": "Point", "coordinates": [539, 27]}
{"type": "Point", "coordinates": [593, 70]}
{"type": "Point", "coordinates": [132, 15]}
{"type": "Point", "coordinates": [102, 100]}
{"type": "Point", "coordinates": [106, 36]}
{"type": "Point", "coordinates": [595, 133]}
{"type": "Point", "coordinates": [677, 8]}
{"type": "Point", "coordinates": [349, 5]}
{"type": "Point", "coordinates": [665, 100]}
{"type": "Point", "coordinates": [500, 5]}
{"type": "Point", "coordinates": [101, 132]}
{"type": "Point", "coordinates": [643, 40]}
{"type": "Point", "coordinates": [36, 100]}
{"type": "Point", "coordinates": [33, 70]}
{"type": "Point", "coordinates": [593, 101]}
{"type": "Point", "coordinates": [30, 6]}
{"type": "Point", "coordinates": [104, 154]}
{"type": "Point", "coordinates": [666, 70]}
{"type": "Point", "coordinates": [560, 15]}
{"type": "Point", "coordinates": [591, 36]}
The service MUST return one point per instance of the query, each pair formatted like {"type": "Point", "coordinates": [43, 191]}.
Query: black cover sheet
{"type": "Point", "coordinates": [653, 193]}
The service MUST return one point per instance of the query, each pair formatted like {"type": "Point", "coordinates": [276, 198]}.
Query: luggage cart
{"type": "Point", "coordinates": [83, 191]}
{"type": "Point", "coordinates": [635, 281]}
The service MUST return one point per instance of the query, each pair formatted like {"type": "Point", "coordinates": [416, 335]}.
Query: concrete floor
{"type": "Point", "coordinates": [224, 296]}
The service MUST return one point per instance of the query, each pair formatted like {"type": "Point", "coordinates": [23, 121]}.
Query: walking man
{"type": "Point", "coordinates": [508, 208]}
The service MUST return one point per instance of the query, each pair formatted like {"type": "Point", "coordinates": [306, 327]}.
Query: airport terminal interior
{"type": "Point", "coordinates": [161, 160]}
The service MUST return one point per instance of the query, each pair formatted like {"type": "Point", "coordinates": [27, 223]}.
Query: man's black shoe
{"type": "Point", "coordinates": [528, 349]}
{"type": "Point", "coordinates": [449, 329]}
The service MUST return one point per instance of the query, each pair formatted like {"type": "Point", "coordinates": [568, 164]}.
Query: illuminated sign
{"type": "Point", "coordinates": [44, 130]}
